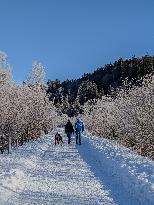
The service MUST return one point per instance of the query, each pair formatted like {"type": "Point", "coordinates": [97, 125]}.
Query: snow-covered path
{"type": "Point", "coordinates": [40, 173]}
{"type": "Point", "coordinates": [94, 173]}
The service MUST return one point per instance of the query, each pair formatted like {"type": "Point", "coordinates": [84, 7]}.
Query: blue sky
{"type": "Point", "coordinates": [70, 37]}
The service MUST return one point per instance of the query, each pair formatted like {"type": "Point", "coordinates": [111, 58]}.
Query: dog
{"type": "Point", "coordinates": [58, 139]}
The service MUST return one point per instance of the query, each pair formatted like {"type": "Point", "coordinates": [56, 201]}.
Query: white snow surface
{"type": "Point", "coordinates": [96, 172]}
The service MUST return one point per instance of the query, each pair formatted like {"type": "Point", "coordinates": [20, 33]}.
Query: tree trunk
{"type": "Point", "coordinates": [17, 143]}
{"type": "Point", "coordinates": [22, 139]}
{"type": "Point", "coordinates": [113, 133]}
{"type": "Point", "coordinates": [27, 137]}
{"type": "Point", "coordinates": [9, 144]}
{"type": "Point", "coordinates": [53, 124]}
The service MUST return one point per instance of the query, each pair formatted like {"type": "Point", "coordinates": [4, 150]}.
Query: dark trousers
{"type": "Point", "coordinates": [69, 137]}
{"type": "Point", "coordinates": [78, 137]}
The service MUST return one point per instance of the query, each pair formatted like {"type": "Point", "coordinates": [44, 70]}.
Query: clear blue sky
{"type": "Point", "coordinates": [71, 37]}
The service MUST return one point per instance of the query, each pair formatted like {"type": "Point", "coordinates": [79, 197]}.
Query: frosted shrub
{"type": "Point", "coordinates": [128, 118]}
{"type": "Point", "coordinates": [99, 116]}
{"type": "Point", "coordinates": [25, 110]}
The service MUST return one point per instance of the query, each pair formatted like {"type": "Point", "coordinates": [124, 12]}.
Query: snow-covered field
{"type": "Point", "coordinates": [96, 172]}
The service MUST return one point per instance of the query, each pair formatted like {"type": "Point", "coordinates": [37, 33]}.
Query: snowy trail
{"type": "Point", "coordinates": [45, 174]}
{"type": "Point", "coordinates": [97, 172]}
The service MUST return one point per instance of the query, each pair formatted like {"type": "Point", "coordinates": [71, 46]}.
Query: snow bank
{"type": "Point", "coordinates": [122, 169]}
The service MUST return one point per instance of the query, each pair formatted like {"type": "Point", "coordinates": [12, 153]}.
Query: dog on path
{"type": "Point", "coordinates": [58, 139]}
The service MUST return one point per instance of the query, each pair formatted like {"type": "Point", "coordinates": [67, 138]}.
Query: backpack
{"type": "Point", "coordinates": [79, 126]}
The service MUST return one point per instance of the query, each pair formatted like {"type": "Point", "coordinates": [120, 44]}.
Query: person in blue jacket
{"type": "Point", "coordinates": [79, 128]}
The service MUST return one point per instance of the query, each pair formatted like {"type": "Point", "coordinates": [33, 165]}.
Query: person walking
{"type": "Point", "coordinates": [69, 130]}
{"type": "Point", "coordinates": [79, 128]}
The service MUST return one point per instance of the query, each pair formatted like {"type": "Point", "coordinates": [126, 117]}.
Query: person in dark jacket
{"type": "Point", "coordinates": [69, 130]}
{"type": "Point", "coordinates": [79, 128]}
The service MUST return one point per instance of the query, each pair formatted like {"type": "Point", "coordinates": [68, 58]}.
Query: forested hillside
{"type": "Point", "coordinates": [70, 95]}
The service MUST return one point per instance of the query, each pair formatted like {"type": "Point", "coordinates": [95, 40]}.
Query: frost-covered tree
{"type": "Point", "coordinates": [25, 110]}
{"type": "Point", "coordinates": [135, 114]}
{"type": "Point", "coordinates": [99, 116]}
{"type": "Point", "coordinates": [87, 90]}
{"type": "Point", "coordinates": [37, 74]}
{"type": "Point", "coordinates": [128, 118]}
{"type": "Point", "coordinates": [5, 69]}
{"type": "Point", "coordinates": [65, 104]}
